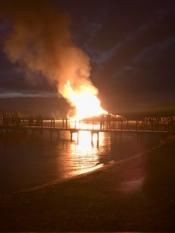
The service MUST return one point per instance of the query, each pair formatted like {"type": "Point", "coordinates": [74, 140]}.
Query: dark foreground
{"type": "Point", "coordinates": [135, 195]}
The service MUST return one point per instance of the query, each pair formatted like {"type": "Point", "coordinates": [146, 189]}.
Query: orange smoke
{"type": "Point", "coordinates": [40, 40]}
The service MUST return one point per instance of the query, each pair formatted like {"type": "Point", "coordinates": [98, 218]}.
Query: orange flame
{"type": "Point", "coordinates": [85, 100]}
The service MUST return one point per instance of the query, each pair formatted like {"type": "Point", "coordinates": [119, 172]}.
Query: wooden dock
{"type": "Point", "coordinates": [89, 128]}
{"type": "Point", "coordinates": [106, 125]}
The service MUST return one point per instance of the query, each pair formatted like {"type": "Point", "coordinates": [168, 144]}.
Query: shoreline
{"type": "Point", "coordinates": [136, 195]}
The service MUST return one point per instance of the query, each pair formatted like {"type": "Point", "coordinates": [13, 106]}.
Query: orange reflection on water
{"type": "Point", "coordinates": [84, 152]}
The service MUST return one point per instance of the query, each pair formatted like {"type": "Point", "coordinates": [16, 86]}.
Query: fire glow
{"type": "Point", "coordinates": [49, 50]}
{"type": "Point", "coordinates": [85, 100]}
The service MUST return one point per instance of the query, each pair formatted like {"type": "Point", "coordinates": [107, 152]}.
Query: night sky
{"type": "Point", "coordinates": [131, 45]}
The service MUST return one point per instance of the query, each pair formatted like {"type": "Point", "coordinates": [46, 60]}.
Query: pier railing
{"type": "Point", "coordinates": [100, 124]}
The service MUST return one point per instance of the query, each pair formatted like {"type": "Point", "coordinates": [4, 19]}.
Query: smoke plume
{"type": "Point", "coordinates": [40, 39]}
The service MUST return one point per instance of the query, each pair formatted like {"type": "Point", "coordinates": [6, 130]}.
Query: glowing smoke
{"type": "Point", "coordinates": [40, 40]}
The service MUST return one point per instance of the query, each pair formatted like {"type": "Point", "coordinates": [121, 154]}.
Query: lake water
{"type": "Point", "coordinates": [31, 160]}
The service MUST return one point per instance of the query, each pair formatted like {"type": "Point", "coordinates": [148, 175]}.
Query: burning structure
{"type": "Point", "coordinates": [40, 41]}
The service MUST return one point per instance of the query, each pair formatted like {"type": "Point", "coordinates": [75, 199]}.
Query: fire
{"type": "Point", "coordinates": [84, 99]}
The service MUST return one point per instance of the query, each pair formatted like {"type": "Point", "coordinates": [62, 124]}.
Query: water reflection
{"type": "Point", "coordinates": [84, 153]}
{"type": "Point", "coordinates": [34, 159]}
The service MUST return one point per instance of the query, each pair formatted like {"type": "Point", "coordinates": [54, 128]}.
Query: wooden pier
{"type": "Point", "coordinates": [94, 127]}
{"type": "Point", "coordinates": [104, 124]}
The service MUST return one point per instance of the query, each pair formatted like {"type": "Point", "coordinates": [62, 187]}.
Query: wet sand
{"type": "Point", "coordinates": [135, 195]}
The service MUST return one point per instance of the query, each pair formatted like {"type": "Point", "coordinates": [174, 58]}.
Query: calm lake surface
{"type": "Point", "coordinates": [31, 160]}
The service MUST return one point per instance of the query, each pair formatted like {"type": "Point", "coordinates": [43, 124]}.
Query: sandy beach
{"type": "Point", "coordinates": [134, 195]}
